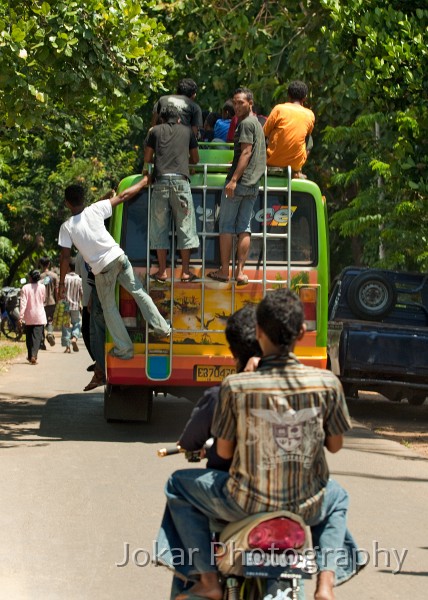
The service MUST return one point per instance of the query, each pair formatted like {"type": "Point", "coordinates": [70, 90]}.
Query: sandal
{"type": "Point", "coordinates": [75, 346]}
{"type": "Point", "coordinates": [67, 350]}
{"type": "Point", "coordinates": [189, 279]}
{"type": "Point", "coordinates": [215, 275]}
{"type": "Point", "coordinates": [155, 277]}
{"type": "Point", "coordinates": [95, 382]}
{"type": "Point", "coordinates": [243, 281]}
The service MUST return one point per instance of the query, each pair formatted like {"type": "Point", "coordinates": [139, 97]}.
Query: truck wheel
{"type": "Point", "coordinates": [371, 296]}
{"type": "Point", "coordinates": [128, 403]}
{"type": "Point", "coordinates": [416, 398]}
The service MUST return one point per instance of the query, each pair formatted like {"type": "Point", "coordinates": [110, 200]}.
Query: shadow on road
{"type": "Point", "coordinates": [80, 417]}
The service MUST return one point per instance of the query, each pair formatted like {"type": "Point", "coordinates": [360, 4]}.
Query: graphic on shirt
{"type": "Point", "coordinates": [179, 103]}
{"type": "Point", "coordinates": [292, 436]}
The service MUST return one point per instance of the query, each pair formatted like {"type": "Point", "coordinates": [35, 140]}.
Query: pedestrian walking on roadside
{"type": "Point", "coordinates": [50, 279]}
{"type": "Point", "coordinates": [73, 292]}
{"type": "Point", "coordinates": [32, 312]}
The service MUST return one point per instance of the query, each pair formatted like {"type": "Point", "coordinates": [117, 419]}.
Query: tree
{"type": "Point", "coordinates": [68, 66]}
{"type": "Point", "coordinates": [365, 62]}
{"type": "Point", "coordinates": [72, 77]}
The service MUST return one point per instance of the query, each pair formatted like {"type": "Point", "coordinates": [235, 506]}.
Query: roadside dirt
{"type": "Point", "coordinates": [397, 421]}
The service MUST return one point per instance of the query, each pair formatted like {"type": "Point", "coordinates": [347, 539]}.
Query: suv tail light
{"type": "Point", "coordinates": [127, 308]}
{"type": "Point", "coordinates": [308, 295]}
{"type": "Point", "coordinates": [282, 533]}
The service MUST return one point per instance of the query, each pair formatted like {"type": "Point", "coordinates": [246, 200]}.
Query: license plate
{"type": "Point", "coordinates": [212, 373]}
{"type": "Point", "coordinates": [272, 565]}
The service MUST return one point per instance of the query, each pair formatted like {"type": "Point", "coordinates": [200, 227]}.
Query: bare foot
{"type": "Point", "coordinates": [325, 583]}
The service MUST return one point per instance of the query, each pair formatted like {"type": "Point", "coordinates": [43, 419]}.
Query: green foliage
{"type": "Point", "coordinates": [67, 66]}
{"type": "Point", "coordinates": [72, 78]}
{"type": "Point", "coordinates": [365, 62]}
{"type": "Point", "coordinates": [78, 79]}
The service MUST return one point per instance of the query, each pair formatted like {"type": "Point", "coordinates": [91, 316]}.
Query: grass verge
{"type": "Point", "coordinates": [10, 350]}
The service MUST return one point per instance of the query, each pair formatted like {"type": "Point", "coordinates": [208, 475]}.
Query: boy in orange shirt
{"type": "Point", "coordinates": [288, 129]}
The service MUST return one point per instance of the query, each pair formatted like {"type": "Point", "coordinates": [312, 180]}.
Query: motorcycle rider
{"type": "Point", "coordinates": [273, 424]}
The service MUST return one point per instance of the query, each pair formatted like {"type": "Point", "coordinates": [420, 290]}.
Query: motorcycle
{"type": "Point", "coordinates": [9, 307]}
{"type": "Point", "coordinates": [274, 555]}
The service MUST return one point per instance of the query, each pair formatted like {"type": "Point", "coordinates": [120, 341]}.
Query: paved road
{"type": "Point", "coordinates": [76, 489]}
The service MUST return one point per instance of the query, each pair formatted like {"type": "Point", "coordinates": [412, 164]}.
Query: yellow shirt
{"type": "Point", "coordinates": [287, 127]}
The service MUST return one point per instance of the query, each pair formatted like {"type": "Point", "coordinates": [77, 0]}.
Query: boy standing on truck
{"type": "Point", "coordinates": [86, 230]}
{"type": "Point", "coordinates": [241, 188]}
{"type": "Point", "coordinates": [170, 146]}
{"type": "Point", "coordinates": [189, 111]}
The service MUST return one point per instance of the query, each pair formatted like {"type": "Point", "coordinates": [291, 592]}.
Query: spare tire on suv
{"type": "Point", "coordinates": [371, 296]}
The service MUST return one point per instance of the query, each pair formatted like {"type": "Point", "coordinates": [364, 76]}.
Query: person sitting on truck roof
{"type": "Point", "coordinates": [288, 130]}
{"type": "Point", "coordinates": [209, 126]}
{"type": "Point", "coordinates": [241, 188]}
{"type": "Point", "coordinates": [184, 101]}
{"type": "Point", "coordinates": [87, 231]}
{"type": "Point", "coordinates": [221, 128]}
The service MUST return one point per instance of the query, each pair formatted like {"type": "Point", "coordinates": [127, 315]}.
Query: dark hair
{"type": "Point", "coordinates": [75, 194]}
{"type": "Point", "coordinates": [297, 90]}
{"type": "Point", "coordinates": [243, 90]}
{"type": "Point", "coordinates": [44, 261]}
{"type": "Point", "coordinates": [169, 114]}
{"type": "Point", "coordinates": [72, 263]}
{"type": "Point", "coordinates": [280, 314]}
{"type": "Point", "coordinates": [187, 87]}
{"type": "Point", "coordinates": [34, 275]}
{"type": "Point", "coordinates": [228, 110]}
{"type": "Point", "coordinates": [212, 118]}
{"type": "Point", "coordinates": [241, 335]}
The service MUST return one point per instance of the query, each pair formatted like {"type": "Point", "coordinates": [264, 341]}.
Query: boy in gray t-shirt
{"type": "Point", "coordinates": [241, 189]}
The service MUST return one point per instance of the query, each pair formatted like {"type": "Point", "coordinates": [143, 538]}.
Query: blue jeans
{"type": "Point", "coordinates": [120, 270]}
{"type": "Point", "coordinates": [335, 547]}
{"type": "Point", "coordinates": [196, 496]}
{"type": "Point", "coordinates": [236, 212]}
{"type": "Point", "coordinates": [73, 331]}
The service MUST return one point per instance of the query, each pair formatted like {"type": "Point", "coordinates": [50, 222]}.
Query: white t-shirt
{"type": "Point", "coordinates": [90, 236]}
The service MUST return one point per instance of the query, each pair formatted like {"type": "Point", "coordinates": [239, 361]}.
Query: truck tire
{"type": "Point", "coordinates": [371, 296]}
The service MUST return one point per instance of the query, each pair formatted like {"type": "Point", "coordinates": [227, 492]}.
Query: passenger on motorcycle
{"type": "Point", "coordinates": [273, 424]}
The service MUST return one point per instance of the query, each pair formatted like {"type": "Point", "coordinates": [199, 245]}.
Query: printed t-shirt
{"type": "Point", "coordinates": [190, 112]}
{"type": "Point", "coordinates": [279, 416]}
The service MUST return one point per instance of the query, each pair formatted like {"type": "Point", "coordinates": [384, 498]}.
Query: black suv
{"type": "Point", "coordinates": [378, 333]}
